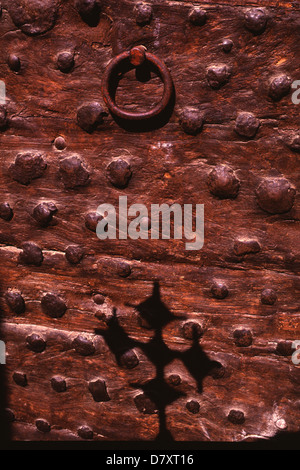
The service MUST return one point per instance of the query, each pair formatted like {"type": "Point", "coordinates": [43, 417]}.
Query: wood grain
{"type": "Point", "coordinates": [168, 166]}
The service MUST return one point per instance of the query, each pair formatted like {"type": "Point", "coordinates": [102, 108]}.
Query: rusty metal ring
{"type": "Point", "coordinates": [134, 58]}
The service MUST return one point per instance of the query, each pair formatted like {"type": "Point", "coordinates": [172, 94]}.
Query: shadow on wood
{"type": "Point", "coordinates": [156, 316]}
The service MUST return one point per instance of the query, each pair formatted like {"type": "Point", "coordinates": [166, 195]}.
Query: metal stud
{"type": "Point", "coordinates": [33, 17]}
{"type": "Point", "coordinates": [218, 75]}
{"type": "Point", "coordinates": [20, 379]}
{"type": "Point", "coordinates": [219, 290]}
{"type": "Point", "coordinates": [36, 343]}
{"type": "Point", "coordinates": [245, 246]}
{"type": "Point", "coordinates": [255, 20]}
{"type": "Point", "coordinates": [98, 390]}
{"type": "Point", "coordinates": [44, 212]}
{"type": "Point", "coordinates": [268, 297]}
{"type": "Point", "coordinates": [144, 404]}
{"type": "Point", "coordinates": [83, 346]}
{"type": "Point", "coordinates": [85, 432]}
{"type": "Point", "coordinates": [91, 220]}
{"type": "Point", "coordinates": [193, 406]}
{"type": "Point", "coordinates": [65, 61]}
{"type": "Point", "coordinates": [27, 166]}
{"type": "Point", "coordinates": [53, 305]}
{"type": "Point", "coordinates": [143, 13]}
{"type": "Point", "coordinates": [6, 212]}
{"type": "Point", "coordinates": [90, 115]}
{"type": "Point", "coordinates": [74, 254]}
{"type": "Point", "coordinates": [31, 254]}
{"type": "Point", "coordinates": [192, 330]}
{"type": "Point", "coordinates": [279, 87]}
{"type": "Point", "coordinates": [43, 425]}
{"type": "Point", "coordinates": [246, 124]}
{"type": "Point", "coordinates": [119, 173]}
{"type": "Point", "coordinates": [236, 417]}
{"type": "Point", "coordinates": [242, 337]}
{"type": "Point", "coordinates": [191, 120]}
{"type": "Point", "coordinates": [14, 63]}
{"type": "Point", "coordinates": [223, 182]}
{"type": "Point", "coordinates": [197, 16]}
{"type": "Point", "coordinates": [15, 302]}
{"type": "Point", "coordinates": [58, 384]}
{"type": "Point", "coordinates": [73, 172]}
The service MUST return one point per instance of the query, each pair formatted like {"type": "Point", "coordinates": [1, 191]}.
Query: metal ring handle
{"type": "Point", "coordinates": [135, 57]}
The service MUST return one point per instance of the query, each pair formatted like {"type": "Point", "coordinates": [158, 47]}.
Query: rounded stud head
{"type": "Point", "coordinates": [33, 17]}
{"type": "Point", "coordinates": [31, 254]}
{"type": "Point", "coordinates": [191, 120]}
{"type": "Point", "coordinates": [99, 299]}
{"type": "Point", "coordinates": [143, 13]}
{"type": "Point", "coordinates": [246, 125]}
{"type": "Point", "coordinates": [268, 297]}
{"type": "Point", "coordinates": [255, 20]}
{"type": "Point", "coordinates": [144, 404]}
{"type": "Point", "coordinates": [83, 346]}
{"type": "Point", "coordinates": [218, 75]}
{"type": "Point", "coordinates": [197, 16]}
{"type": "Point", "coordinates": [14, 62]}
{"type": "Point", "coordinates": [43, 425]}
{"type": "Point", "coordinates": [85, 432]}
{"type": "Point", "coordinates": [60, 143]}
{"type": "Point", "coordinates": [119, 173]}
{"type": "Point", "coordinates": [174, 379]}
{"type": "Point", "coordinates": [15, 302]}
{"type": "Point", "coordinates": [6, 212]}
{"type": "Point", "coordinates": [223, 183]}
{"type": "Point", "coordinates": [73, 172]}
{"type": "Point", "coordinates": [227, 45]}
{"type": "Point", "coordinates": [27, 166]}
{"type": "Point", "coordinates": [91, 220]}
{"type": "Point", "coordinates": [90, 115]}
{"type": "Point", "coordinates": [65, 61]}
{"type": "Point", "coordinates": [192, 330]}
{"type": "Point", "coordinates": [58, 384]}
{"type": "Point", "coordinates": [20, 379]}
{"type": "Point", "coordinates": [74, 254]}
{"type": "Point", "coordinates": [53, 305]}
{"type": "Point", "coordinates": [246, 246]}
{"type": "Point", "coordinates": [44, 212]}
{"type": "Point", "coordinates": [98, 390]}
{"type": "Point", "coordinates": [242, 338]}
{"type": "Point", "coordinates": [279, 87]}
{"type": "Point", "coordinates": [36, 343]}
{"type": "Point", "coordinates": [193, 406]}
{"type": "Point", "coordinates": [219, 290]}
{"type": "Point", "coordinates": [137, 55]}
{"type": "Point", "coordinates": [236, 417]}
{"type": "Point", "coordinates": [129, 359]}
{"type": "Point", "coordinates": [123, 269]}
{"type": "Point", "coordinates": [275, 195]}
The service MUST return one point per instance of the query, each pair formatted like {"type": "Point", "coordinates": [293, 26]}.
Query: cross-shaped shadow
{"type": "Point", "coordinates": [156, 315]}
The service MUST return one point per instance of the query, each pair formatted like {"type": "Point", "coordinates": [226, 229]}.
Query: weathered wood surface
{"type": "Point", "coordinates": [168, 165]}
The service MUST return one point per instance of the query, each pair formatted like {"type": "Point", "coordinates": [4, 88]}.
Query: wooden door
{"type": "Point", "coordinates": [142, 339]}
